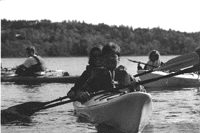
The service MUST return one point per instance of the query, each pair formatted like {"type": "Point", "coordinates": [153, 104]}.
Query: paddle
{"type": "Point", "coordinates": [9, 69]}
{"type": "Point", "coordinates": [27, 108]}
{"type": "Point", "coordinates": [141, 63]}
{"type": "Point", "coordinates": [13, 68]}
{"type": "Point", "coordinates": [176, 63]}
{"type": "Point", "coordinates": [47, 71]}
{"type": "Point", "coordinates": [54, 71]}
{"type": "Point", "coordinates": [110, 90]}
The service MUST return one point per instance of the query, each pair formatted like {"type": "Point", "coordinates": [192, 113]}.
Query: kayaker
{"type": "Point", "coordinates": [110, 76]}
{"type": "Point", "coordinates": [154, 61]}
{"type": "Point", "coordinates": [33, 65]}
{"type": "Point", "coordinates": [95, 61]}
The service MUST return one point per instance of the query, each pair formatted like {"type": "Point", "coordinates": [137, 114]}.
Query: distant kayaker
{"type": "Point", "coordinates": [110, 76]}
{"type": "Point", "coordinates": [95, 61]}
{"type": "Point", "coordinates": [154, 61]}
{"type": "Point", "coordinates": [33, 65]}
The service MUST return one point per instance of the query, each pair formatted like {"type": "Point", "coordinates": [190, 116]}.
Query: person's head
{"type": "Point", "coordinates": [111, 55]}
{"type": "Point", "coordinates": [95, 56]}
{"type": "Point", "coordinates": [154, 55]}
{"type": "Point", "coordinates": [30, 50]}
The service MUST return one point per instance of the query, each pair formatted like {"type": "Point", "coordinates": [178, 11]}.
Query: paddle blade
{"type": "Point", "coordinates": [141, 63]}
{"type": "Point", "coordinates": [25, 108]}
{"type": "Point", "coordinates": [19, 112]}
{"type": "Point", "coordinates": [180, 62]}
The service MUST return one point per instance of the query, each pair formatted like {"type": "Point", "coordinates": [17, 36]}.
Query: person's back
{"type": "Point", "coordinates": [32, 66]}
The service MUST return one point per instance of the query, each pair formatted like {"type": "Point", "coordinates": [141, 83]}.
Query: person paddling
{"type": "Point", "coordinates": [32, 66]}
{"type": "Point", "coordinates": [110, 76]}
{"type": "Point", "coordinates": [154, 61]}
{"type": "Point", "coordinates": [94, 63]}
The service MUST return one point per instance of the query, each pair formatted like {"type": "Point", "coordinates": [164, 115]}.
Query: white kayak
{"type": "Point", "coordinates": [182, 80]}
{"type": "Point", "coordinates": [127, 112]}
{"type": "Point", "coordinates": [51, 76]}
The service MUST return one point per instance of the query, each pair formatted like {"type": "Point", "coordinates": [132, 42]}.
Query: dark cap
{"type": "Point", "coordinates": [30, 48]}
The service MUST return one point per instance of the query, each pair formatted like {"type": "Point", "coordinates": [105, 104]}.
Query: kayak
{"type": "Point", "coordinates": [182, 80]}
{"type": "Point", "coordinates": [48, 77]}
{"type": "Point", "coordinates": [39, 79]}
{"type": "Point", "coordinates": [5, 72]}
{"type": "Point", "coordinates": [127, 112]}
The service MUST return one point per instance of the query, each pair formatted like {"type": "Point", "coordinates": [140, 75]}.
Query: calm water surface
{"type": "Point", "coordinates": [175, 110]}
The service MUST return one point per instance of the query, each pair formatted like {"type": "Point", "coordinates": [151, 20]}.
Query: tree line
{"type": "Point", "coordinates": [74, 38]}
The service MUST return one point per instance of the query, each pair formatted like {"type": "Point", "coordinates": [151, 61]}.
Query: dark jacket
{"type": "Point", "coordinates": [88, 73]}
{"type": "Point", "coordinates": [105, 80]}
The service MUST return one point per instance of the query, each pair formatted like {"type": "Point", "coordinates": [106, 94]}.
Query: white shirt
{"type": "Point", "coordinates": [31, 61]}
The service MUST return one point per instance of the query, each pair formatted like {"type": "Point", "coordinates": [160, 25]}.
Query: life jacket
{"type": "Point", "coordinates": [105, 79]}
{"type": "Point", "coordinates": [37, 67]}
{"type": "Point", "coordinates": [156, 63]}
{"type": "Point", "coordinates": [32, 70]}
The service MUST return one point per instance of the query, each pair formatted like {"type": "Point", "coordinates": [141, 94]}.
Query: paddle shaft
{"type": "Point", "coordinates": [140, 74]}
{"type": "Point", "coordinates": [54, 71]}
{"type": "Point", "coordinates": [52, 105]}
{"type": "Point", "coordinates": [12, 69]}
{"type": "Point", "coordinates": [141, 63]}
{"type": "Point", "coordinates": [110, 90]}
{"type": "Point", "coordinates": [9, 69]}
{"type": "Point", "coordinates": [55, 100]}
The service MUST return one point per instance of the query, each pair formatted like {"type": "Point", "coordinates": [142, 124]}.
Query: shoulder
{"type": "Point", "coordinates": [121, 68]}
{"type": "Point", "coordinates": [30, 59]}
{"type": "Point", "coordinates": [37, 56]}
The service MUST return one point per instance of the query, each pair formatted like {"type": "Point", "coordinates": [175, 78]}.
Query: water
{"type": "Point", "coordinates": [176, 111]}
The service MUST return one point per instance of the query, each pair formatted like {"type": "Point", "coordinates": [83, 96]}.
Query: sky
{"type": "Point", "coordinates": [179, 15]}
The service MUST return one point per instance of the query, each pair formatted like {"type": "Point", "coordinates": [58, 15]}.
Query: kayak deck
{"type": "Point", "coordinates": [128, 112]}
{"type": "Point", "coordinates": [182, 80]}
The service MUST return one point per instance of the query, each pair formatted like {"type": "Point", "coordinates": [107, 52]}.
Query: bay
{"type": "Point", "coordinates": [174, 111]}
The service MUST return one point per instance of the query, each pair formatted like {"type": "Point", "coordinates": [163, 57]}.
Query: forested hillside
{"type": "Point", "coordinates": [72, 38]}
